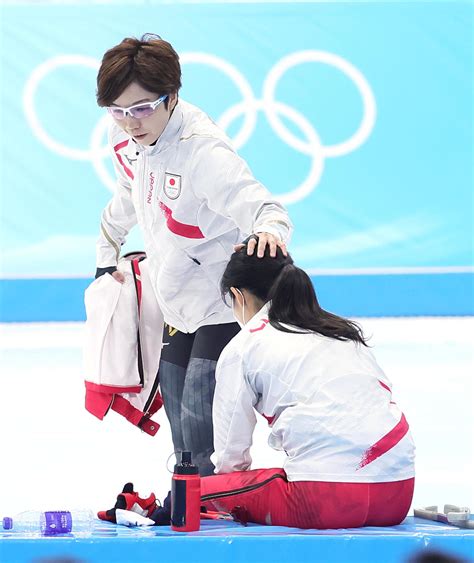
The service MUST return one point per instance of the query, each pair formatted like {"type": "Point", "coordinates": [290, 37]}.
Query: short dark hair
{"type": "Point", "coordinates": [149, 61]}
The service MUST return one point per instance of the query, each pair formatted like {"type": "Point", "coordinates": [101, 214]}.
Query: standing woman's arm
{"type": "Point", "coordinates": [117, 219]}
{"type": "Point", "coordinates": [224, 180]}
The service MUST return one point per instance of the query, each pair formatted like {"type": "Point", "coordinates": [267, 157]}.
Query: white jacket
{"type": "Point", "coordinates": [194, 198]}
{"type": "Point", "coordinates": [328, 402]}
{"type": "Point", "coordinates": [122, 346]}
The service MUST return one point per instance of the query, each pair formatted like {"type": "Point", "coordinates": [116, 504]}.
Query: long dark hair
{"type": "Point", "coordinates": [291, 293]}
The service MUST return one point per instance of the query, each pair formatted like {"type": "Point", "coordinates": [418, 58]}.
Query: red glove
{"type": "Point", "coordinates": [128, 499]}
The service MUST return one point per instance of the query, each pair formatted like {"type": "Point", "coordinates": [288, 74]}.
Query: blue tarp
{"type": "Point", "coordinates": [231, 542]}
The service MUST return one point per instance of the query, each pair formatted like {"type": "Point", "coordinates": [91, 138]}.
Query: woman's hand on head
{"type": "Point", "coordinates": [264, 239]}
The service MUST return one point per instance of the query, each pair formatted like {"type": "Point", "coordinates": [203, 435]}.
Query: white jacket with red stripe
{"type": "Point", "coordinates": [194, 198]}
{"type": "Point", "coordinates": [122, 346]}
{"type": "Point", "coordinates": [328, 402]}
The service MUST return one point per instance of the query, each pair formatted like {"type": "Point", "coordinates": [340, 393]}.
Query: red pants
{"type": "Point", "coordinates": [269, 498]}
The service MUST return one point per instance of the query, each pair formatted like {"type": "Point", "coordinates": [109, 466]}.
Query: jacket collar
{"type": "Point", "coordinates": [259, 315]}
{"type": "Point", "coordinates": [170, 135]}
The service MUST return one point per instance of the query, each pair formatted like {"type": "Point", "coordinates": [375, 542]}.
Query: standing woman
{"type": "Point", "coordinates": [350, 454]}
{"type": "Point", "coordinates": [194, 199]}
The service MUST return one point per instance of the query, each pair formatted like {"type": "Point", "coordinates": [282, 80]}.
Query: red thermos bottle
{"type": "Point", "coordinates": [185, 496]}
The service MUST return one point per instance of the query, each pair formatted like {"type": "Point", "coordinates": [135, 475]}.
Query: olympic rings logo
{"type": "Point", "coordinates": [249, 107]}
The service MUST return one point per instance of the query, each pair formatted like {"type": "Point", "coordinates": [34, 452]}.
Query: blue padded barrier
{"type": "Point", "coordinates": [56, 299]}
{"type": "Point", "coordinates": [229, 542]}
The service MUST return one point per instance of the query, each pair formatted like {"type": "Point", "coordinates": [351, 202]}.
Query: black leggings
{"type": "Point", "coordinates": [187, 381]}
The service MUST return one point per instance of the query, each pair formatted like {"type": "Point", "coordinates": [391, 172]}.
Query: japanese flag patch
{"type": "Point", "coordinates": [172, 185]}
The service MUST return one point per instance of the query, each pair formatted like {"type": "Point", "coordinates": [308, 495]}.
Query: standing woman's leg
{"type": "Point", "coordinates": [200, 381]}
{"type": "Point", "coordinates": [174, 361]}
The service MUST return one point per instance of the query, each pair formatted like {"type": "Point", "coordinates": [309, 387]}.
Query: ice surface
{"type": "Point", "coordinates": [55, 455]}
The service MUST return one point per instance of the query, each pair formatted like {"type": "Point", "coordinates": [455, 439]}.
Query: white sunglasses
{"type": "Point", "coordinates": [138, 111]}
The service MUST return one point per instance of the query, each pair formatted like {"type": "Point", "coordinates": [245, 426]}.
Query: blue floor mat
{"type": "Point", "coordinates": [224, 541]}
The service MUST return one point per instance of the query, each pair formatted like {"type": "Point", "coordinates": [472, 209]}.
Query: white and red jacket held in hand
{"type": "Point", "coordinates": [194, 198]}
{"type": "Point", "coordinates": [123, 340]}
{"type": "Point", "coordinates": [328, 403]}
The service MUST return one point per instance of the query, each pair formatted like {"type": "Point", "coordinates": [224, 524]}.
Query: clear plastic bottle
{"type": "Point", "coordinates": [49, 523]}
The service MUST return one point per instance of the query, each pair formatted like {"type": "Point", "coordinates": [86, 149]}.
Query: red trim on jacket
{"type": "Point", "coordinates": [133, 415]}
{"type": "Point", "coordinates": [112, 388]}
{"type": "Point", "coordinates": [127, 170]}
{"type": "Point", "coordinates": [156, 404]}
{"type": "Point", "coordinates": [387, 388]}
{"type": "Point", "coordinates": [384, 385]}
{"type": "Point", "coordinates": [97, 403]}
{"type": "Point", "coordinates": [181, 229]}
{"type": "Point", "coordinates": [138, 282]}
{"type": "Point", "coordinates": [270, 419]}
{"type": "Point", "coordinates": [261, 327]}
{"type": "Point", "coordinates": [385, 443]}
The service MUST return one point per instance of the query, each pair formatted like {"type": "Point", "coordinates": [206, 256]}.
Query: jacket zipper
{"type": "Point", "coordinates": [139, 354]}
{"type": "Point", "coordinates": [242, 490]}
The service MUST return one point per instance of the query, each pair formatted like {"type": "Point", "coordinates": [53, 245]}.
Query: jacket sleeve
{"type": "Point", "coordinates": [233, 415]}
{"type": "Point", "coordinates": [224, 180]}
{"type": "Point", "coordinates": [117, 218]}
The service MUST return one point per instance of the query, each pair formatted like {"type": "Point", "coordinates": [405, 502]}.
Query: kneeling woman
{"type": "Point", "coordinates": [329, 405]}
